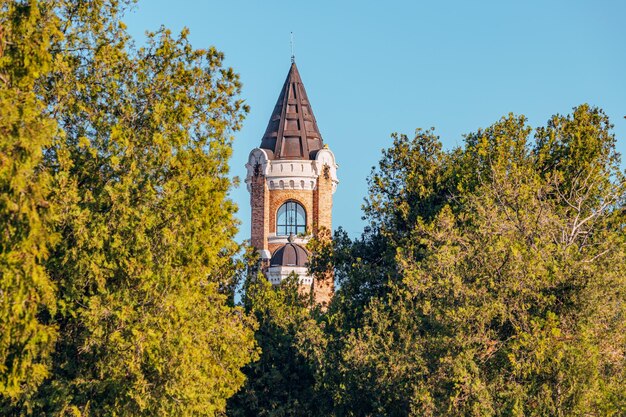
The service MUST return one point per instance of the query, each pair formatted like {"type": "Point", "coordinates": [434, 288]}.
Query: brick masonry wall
{"type": "Point", "coordinates": [279, 197]}
{"type": "Point", "coordinates": [318, 206]}
{"type": "Point", "coordinates": [324, 201]}
{"type": "Point", "coordinates": [259, 202]}
{"type": "Point", "coordinates": [324, 287]}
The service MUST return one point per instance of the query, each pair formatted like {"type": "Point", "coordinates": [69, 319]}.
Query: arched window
{"type": "Point", "coordinates": [291, 218]}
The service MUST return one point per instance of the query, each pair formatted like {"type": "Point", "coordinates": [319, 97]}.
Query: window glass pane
{"type": "Point", "coordinates": [300, 217]}
{"type": "Point", "coordinates": [282, 216]}
{"type": "Point", "coordinates": [290, 218]}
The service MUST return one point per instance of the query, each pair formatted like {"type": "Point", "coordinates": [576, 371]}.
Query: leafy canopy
{"type": "Point", "coordinates": [27, 294]}
{"type": "Point", "coordinates": [133, 269]}
{"type": "Point", "coordinates": [491, 280]}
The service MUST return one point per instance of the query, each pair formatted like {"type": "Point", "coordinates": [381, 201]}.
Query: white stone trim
{"type": "Point", "coordinates": [283, 240]}
{"type": "Point", "coordinates": [291, 175]}
{"type": "Point", "coordinates": [257, 156]}
{"type": "Point", "coordinates": [277, 274]}
{"type": "Point", "coordinates": [326, 157]}
{"type": "Point", "coordinates": [285, 174]}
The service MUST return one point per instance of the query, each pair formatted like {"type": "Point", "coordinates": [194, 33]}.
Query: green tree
{"type": "Point", "coordinates": [144, 263]}
{"type": "Point", "coordinates": [506, 294]}
{"type": "Point", "coordinates": [27, 295]}
{"type": "Point", "coordinates": [282, 381]}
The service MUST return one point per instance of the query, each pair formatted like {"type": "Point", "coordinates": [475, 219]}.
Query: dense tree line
{"type": "Point", "coordinates": [490, 280]}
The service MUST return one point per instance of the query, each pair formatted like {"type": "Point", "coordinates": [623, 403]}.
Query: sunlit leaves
{"type": "Point", "coordinates": [501, 277]}
{"type": "Point", "coordinates": [136, 184]}
{"type": "Point", "coordinates": [27, 295]}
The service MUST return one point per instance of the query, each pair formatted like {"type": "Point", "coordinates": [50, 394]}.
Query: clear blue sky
{"type": "Point", "coordinates": [373, 68]}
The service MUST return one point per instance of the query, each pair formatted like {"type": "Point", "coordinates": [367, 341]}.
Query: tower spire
{"type": "Point", "coordinates": [291, 178]}
{"type": "Point", "coordinates": [293, 55]}
{"type": "Point", "coordinates": [292, 131]}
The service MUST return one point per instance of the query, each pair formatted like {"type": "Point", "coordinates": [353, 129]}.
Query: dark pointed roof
{"type": "Point", "coordinates": [292, 132]}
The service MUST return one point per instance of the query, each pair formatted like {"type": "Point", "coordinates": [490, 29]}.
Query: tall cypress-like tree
{"type": "Point", "coordinates": [144, 266]}
{"type": "Point", "coordinates": [27, 295]}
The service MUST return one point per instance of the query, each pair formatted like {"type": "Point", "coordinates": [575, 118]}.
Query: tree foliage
{"type": "Point", "coordinates": [502, 280]}
{"type": "Point", "coordinates": [27, 295]}
{"type": "Point", "coordinates": [137, 179]}
{"type": "Point", "coordinates": [490, 281]}
{"type": "Point", "coordinates": [282, 381]}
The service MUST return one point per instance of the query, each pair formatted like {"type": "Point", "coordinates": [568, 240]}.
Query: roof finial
{"type": "Point", "coordinates": [293, 56]}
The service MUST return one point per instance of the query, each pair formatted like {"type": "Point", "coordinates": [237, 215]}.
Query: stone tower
{"type": "Point", "coordinates": [291, 178]}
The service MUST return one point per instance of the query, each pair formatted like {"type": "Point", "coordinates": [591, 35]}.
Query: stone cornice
{"type": "Point", "coordinates": [284, 174]}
